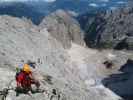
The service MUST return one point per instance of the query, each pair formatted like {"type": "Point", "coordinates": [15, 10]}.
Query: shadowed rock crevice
{"type": "Point", "coordinates": [122, 45]}
{"type": "Point", "coordinates": [121, 84]}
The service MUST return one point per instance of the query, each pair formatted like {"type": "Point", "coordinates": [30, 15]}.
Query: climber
{"type": "Point", "coordinates": [19, 68]}
{"type": "Point", "coordinates": [29, 62]}
{"type": "Point", "coordinates": [25, 78]}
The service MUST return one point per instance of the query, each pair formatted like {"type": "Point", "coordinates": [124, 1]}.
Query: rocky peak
{"type": "Point", "coordinates": [64, 28]}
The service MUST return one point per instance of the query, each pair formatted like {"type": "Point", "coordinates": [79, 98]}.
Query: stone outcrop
{"type": "Point", "coordinates": [64, 28]}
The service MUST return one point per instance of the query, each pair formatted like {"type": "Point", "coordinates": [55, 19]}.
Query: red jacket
{"type": "Point", "coordinates": [24, 80]}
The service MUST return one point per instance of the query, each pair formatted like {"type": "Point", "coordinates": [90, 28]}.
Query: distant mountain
{"type": "Point", "coordinates": [79, 6]}
{"type": "Point", "coordinates": [20, 9]}
{"type": "Point", "coordinates": [36, 10]}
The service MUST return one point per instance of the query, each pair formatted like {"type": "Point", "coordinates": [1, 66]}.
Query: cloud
{"type": "Point", "coordinates": [49, 0]}
{"type": "Point", "coordinates": [121, 2]}
{"type": "Point", "coordinates": [93, 5]}
{"type": "Point", "coordinates": [104, 0]}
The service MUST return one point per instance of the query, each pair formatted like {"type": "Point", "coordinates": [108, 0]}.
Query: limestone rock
{"type": "Point", "coordinates": [62, 72]}
{"type": "Point", "coordinates": [64, 28]}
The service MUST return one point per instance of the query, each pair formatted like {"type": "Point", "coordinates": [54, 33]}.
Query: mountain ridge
{"type": "Point", "coordinates": [110, 29]}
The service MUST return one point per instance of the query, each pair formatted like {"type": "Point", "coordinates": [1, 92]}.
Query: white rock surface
{"type": "Point", "coordinates": [69, 68]}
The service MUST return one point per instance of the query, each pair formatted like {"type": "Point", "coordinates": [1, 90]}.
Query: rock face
{"type": "Point", "coordinates": [111, 29]}
{"type": "Point", "coordinates": [22, 40]}
{"type": "Point", "coordinates": [64, 28]}
{"type": "Point", "coordinates": [65, 74]}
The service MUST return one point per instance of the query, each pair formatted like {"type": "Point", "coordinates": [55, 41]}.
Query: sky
{"type": "Point", "coordinates": [28, 0]}
{"type": "Point", "coordinates": [92, 3]}
{"type": "Point", "coordinates": [112, 4]}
